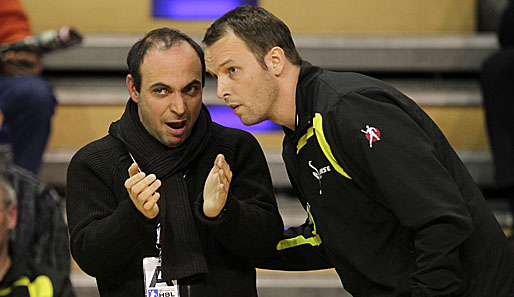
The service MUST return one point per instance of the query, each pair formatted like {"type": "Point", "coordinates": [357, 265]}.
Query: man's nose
{"type": "Point", "coordinates": [178, 104]}
{"type": "Point", "coordinates": [222, 90]}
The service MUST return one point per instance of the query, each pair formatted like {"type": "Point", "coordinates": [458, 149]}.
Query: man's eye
{"type": "Point", "coordinates": [232, 70]}
{"type": "Point", "coordinates": [191, 91]}
{"type": "Point", "coordinates": [160, 91]}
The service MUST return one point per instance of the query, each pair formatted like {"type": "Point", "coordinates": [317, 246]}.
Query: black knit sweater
{"type": "Point", "coordinates": [109, 237]}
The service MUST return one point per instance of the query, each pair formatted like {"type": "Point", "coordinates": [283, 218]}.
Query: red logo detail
{"type": "Point", "coordinates": [377, 133]}
{"type": "Point", "coordinates": [372, 134]}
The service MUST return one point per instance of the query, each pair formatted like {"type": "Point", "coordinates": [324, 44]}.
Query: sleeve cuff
{"type": "Point", "coordinates": [137, 224]}
{"type": "Point", "coordinates": [229, 214]}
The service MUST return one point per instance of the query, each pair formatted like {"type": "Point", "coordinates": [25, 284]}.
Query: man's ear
{"type": "Point", "coordinates": [12, 216]}
{"type": "Point", "coordinates": [275, 60]}
{"type": "Point", "coordinates": [131, 86]}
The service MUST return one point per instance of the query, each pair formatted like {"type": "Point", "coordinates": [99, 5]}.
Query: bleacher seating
{"type": "Point", "coordinates": [427, 68]}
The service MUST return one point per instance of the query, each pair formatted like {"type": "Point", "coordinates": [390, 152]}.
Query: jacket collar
{"type": "Point", "coordinates": [305, 96]}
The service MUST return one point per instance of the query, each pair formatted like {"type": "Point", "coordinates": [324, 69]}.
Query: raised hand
{"type": "Point", "coordinates": [142, 191]}
{"type": "Point", "coordinates": [21, 63]}
{"type": "Point", "coordinates": [216, 187]}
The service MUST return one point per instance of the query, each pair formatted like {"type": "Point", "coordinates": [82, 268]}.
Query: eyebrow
{"type": "Point", "coordinates": [193, 82]}
{"type": "Point", "coordinates": [160, 84]}
{"type": "Point", "coordinates": [225, 63]}
{"type": "Point", "coordinates": [211, 72]}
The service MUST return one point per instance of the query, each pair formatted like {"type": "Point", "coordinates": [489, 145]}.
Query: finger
{"type": "Point", "coordinates": [226, 185]}
{"type": "Point", "coordinates": [143, 184]}
{"type": "Point", "coordinates": [227, 172]}
{"type": "Point", "coordinates": [222, 177]}
{"type": "Point", "coordinates": [150, 190]}
{"type": "Point", "coordinates": [151, 209]}
{"type": "Point", "coordinates": [222, 163]}
{"type": "Point", "coordinates": [133, 169]}
{"type": "Point", "coordinates": [225, 181]}
{"type": "Point", "coordinates": [216, 160]}
{"type": "Point", "coordinates": [220, 160]}
{"type": "Point", "coordinates": [130, 182]}
{"type": "Point", "coordinates": [229, 175]}
{"type": "Point", "coordinates": [152, 202]}
{"type": "Point", "coordinates": [223, 191]}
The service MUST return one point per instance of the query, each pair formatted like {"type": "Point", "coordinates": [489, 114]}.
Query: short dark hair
{"type": "Point", "coordinates": [162, 39]}
{"type": "Point", "coordinates": [258, 28]}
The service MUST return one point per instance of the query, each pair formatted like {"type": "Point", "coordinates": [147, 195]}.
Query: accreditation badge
{"type": "Point", "coordinates": [155, 286]}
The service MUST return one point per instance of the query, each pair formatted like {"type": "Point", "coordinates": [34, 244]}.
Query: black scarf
{"type": "Point", "coordinates": [182, 255]}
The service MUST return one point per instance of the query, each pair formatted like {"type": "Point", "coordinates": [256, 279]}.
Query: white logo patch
{"type": "Point", "coordinates": [318, 173]}
{"type": "Point", "coordinates": [372, 134]}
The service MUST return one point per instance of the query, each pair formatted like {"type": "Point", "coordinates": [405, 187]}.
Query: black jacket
{"type": "Point", "coordinates": [27, 279]}
{"type": "Point", "coordinates": [110, 238]}
{"type": "Point", "coordinates": [396, 216]}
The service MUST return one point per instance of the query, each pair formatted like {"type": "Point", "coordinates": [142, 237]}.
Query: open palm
{"type": "Point", "coordinates": [216, 187]}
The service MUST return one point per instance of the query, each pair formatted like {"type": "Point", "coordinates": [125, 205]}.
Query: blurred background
{"type": "Point", "coordinates": [430, 50]}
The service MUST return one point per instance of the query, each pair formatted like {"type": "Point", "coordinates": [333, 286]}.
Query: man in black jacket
{"type": "Point", "coordinates": [390, 204]}
{"type": "Point", "coordinates": [20, 276]}
{"type": "Point", "coordinates": [176, 221]}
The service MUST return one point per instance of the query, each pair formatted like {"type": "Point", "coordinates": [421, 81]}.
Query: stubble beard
{"type": "Point", "coordinates": [266, 99]}
{"type": "Point", "coordinates": [153, 131]}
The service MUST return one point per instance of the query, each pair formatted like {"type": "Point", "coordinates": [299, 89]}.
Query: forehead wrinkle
{"type": "Point", "coordinates": [157, 67]}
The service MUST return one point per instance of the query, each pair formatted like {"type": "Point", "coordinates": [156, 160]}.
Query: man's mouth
{"type": "Point", "coordinates": [234, 106]}
{"type": "Point", "coordinates": [177, 127]}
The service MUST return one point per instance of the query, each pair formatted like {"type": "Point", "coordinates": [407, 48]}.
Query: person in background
{"type": "Point", "coordinates": [27, 101]}
{"type": "Point", "coordinates": [391, 206]}
{"type": "Point", "coordinates": [170, 202]}
{"type": "Point", "coordinates": [40, 232]}
{"type": "Point", "coordinates": [19, 276]}
{"type": "Point", "coordinates": [497, 81]}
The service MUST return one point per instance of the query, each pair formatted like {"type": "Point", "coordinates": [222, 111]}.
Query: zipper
{"type": "Point", "coordinates": [311, 219]}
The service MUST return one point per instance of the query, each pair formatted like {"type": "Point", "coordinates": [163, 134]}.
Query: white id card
{"type": "Point", "coordinates": [155, 286]}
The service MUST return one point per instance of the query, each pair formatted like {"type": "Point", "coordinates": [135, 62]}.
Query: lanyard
{"type": "Point", "coordinates": [158, 242]}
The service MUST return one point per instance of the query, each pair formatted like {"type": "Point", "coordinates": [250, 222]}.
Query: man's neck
{"type": "Point", "coordinates": [286, 112]}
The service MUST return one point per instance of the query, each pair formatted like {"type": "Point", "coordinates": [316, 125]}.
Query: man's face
{"type": "Point", "coordinates": [249, 89]}
{"type": "Point", "coordinates": [171, 93]}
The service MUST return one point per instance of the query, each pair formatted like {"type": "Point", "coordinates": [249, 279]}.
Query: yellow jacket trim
{"type": "Point", "coordinates": [300, 239]}
{"type": "Point", "coordinates": [303, 140]}
{"type": "Point", "coordinates": [325, 147]}
{"type": "Point", "coordinates": [40, 287]}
